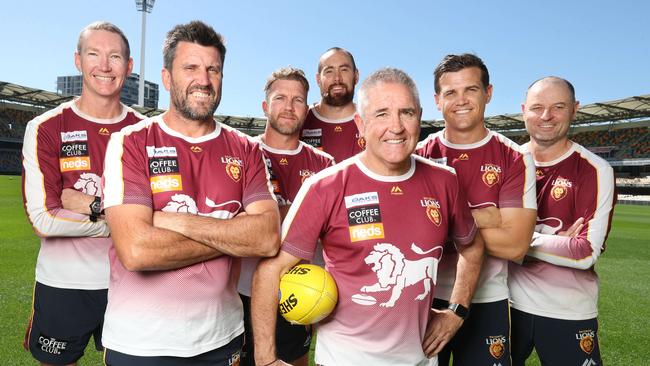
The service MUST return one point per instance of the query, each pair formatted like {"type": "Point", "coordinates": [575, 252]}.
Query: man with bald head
{"type": "Point", "coordinates": [554, 292]}
{"type": "Point", "coordinates": [330, 125]}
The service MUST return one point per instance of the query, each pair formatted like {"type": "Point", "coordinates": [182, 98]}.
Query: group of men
{"type": "Point", "coordinates": [165, 238]}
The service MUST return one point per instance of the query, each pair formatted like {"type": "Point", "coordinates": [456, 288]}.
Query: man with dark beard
{"type": "Point", "coordinates": [175, 185]}
{"type": "Point", "coordinates": [290, 161]}
{"type": "Point", "coordinates": [329, 125]}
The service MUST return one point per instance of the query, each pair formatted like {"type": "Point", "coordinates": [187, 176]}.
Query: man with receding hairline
{"type": "Point", "coordinates": [329, 125]}
{"type": "Point", "coordinates": [554, 292]}
{"type": "Point", "coordinates": [63, 157]}
{"type": "Point", "coordinates": [383, 217]}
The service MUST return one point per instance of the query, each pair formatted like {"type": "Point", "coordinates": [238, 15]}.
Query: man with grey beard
{"type": "Point", "coordinates": [329, 125]}
{"type": "Point", "coordinates": [175, 187]}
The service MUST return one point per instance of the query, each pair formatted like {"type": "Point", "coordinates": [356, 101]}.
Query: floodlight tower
{"type": "Point", "coordinates": [145, 6]}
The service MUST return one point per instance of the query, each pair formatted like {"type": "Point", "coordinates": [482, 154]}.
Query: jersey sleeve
{"type": "Point", "coordinates": [257, 185]}
{"type": "Point", "coordinates": [125, 174]}
{"type": "Point", "coordinates": [304, 222]}
{"type": "Point", "coordinates": [596, 207]}
{"type": "Point", "coordinates": [462, 226]}
{"type": "Point", "coordinates": [518, 190]}
{"type": "Point", "coordinates": [42, 188]}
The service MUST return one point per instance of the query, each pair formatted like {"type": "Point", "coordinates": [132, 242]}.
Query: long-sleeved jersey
{"type": "Point", "coordinates": [557, 278]}
{"type": "Point", "coordinates": [64, 148]}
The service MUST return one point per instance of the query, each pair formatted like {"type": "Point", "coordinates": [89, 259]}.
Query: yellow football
{"type": "Point", "coordinates": [307, 294]}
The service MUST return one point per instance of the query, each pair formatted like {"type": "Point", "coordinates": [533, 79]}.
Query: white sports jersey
{"type": "Point", "coordinates": [557, 278]}
{"type": "Point", "coordinates": [382, 237]}
{"type": "Point", "coordinates": [493, 172]}
{"type": "Point", "coordinates": [64, 148]}
{"type": "Point", "coordinates": [194, 309]}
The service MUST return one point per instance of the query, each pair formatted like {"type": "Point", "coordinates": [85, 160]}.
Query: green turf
{"type": "Point", "coordinates": [624, 270]}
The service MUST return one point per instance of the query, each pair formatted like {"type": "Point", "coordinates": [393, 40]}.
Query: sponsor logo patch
{"type": "Point", "coordinates": [166, 183]}
{"type": "Point", "coordinates": [364, 216]}
{"type": "Point", "coordinates": [163, 151]}
{"type": "Point", "coordinates": [78, 163]}
{"type": "Point", "coordinates": [366, 232]}
{"type": "Point", "coordinates": [158, 166]}
{"type": "Point", "coordinates": [52, 345]}
{"type": "Point", "coordinates": [233, 167]}
{"type": "Point", "coordinates": [361, 199]}
{"type": "Point", "coordinates": [315, 132]}
{"type": "Point", "coordinates": [74, 136]}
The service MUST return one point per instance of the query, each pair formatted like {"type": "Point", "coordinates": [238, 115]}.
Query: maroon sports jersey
{"type": "Point", "coordinates": [64, 148]}
{"type": "Point", "coordinates": [194, 309]}
{"type": "Point", "coordinates": [337, 137]}
{"type": "Point", "coordinates": [492, 172]}
{"type": "Point", "coordinates": [382, 239]}
{"type": "Point", "coordinates": [288, 169]}
{"type": "Point", "coordinates": [557, 278]}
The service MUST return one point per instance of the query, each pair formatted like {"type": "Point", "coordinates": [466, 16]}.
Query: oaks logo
{"type": "Point", "coordinates": [491, 174]}
{"type": "Point", "coordinates": [196, 149]}
{"type": "Point", "coordinates": [396, 191]}
{"type": "Point", "coordinates": [104, 131]}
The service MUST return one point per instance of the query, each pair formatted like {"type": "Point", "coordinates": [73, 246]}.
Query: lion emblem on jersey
{"type": "Point", "coordinates": [181, 203]}
{"type": "Point", "coordinates": [395, 272]}
{"type": "Point", "coordinates": [558, 192]}
{"type": "Point", "coordinates": [490, 178]}
{"type": "Point", "coordinates": [433, 213]}
{"type": "Point", "coordinates": [89, 183]}
{"type": "Point", "coordinates": [234, 171]}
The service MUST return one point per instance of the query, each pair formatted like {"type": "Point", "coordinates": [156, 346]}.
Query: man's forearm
{"type": "Point", "coordinates": [242, 236]}
{"type": "Point", "coordinates": [468, 269]}
{"type": "Point", "coordinates": [264, 306]}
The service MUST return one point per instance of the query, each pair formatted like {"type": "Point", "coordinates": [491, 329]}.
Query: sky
{"type": "Point", "coordinates": [600, 46]}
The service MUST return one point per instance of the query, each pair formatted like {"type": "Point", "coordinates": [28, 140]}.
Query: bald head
{"type": "Point", "coordinates": [553, 81]}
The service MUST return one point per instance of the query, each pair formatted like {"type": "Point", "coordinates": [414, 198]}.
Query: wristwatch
{"type": "Point", "coordinates": [95, 208]}
{"type": "Point", "coordinates": [459, 310]}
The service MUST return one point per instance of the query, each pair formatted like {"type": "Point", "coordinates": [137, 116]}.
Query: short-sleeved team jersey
{"type": "Point", "coordinates": [557, 278]}
{"type": "Point", "coordinates": [194, 309]}
{"type": "Point", "coordinates": [492, 172]}
{"type": "Point", "coordinates": [337, 137]}
{"type": "Point", "coordinates": [382, 239]}
{"type": "Point", "coordinates": [288, 169]}
{"type": "Point", "coordinates": [64, 148]}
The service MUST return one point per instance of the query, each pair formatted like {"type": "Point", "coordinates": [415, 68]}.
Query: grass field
{"type": "Point", "coordinates": [624, 270]}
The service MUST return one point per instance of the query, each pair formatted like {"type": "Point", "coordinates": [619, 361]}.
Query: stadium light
{"type": "Point", "coordinates": [144, 6]}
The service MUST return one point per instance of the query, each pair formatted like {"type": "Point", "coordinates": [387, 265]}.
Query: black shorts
{"type": "Point", "coordinates": [63, 321]}
{"type": "Point", "coordinates": [483, 339]}
{"type": "Point", "coordinates": [557, 341]}
{"type": "Point", "coordinates": [227, 355]}
{"type": "Point", "coordinates": [292, 341]}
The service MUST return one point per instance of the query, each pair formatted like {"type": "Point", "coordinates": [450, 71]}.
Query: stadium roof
{"type": "Point", "coordinates": [627, 109]}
